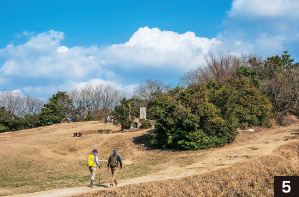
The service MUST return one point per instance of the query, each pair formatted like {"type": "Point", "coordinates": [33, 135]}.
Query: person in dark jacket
{"type": "Point", "coordinates": [113, 162]}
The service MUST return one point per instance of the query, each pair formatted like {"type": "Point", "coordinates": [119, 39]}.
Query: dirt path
{"type": "Point", "coordinates": [248, 146]}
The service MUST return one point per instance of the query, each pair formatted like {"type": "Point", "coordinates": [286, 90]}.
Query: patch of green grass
{"type": "Point", "coordinates": [133, 170]}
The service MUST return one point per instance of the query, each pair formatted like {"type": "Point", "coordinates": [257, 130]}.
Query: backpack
{"type": "Point", "coordinates": [90, 161]}
{"type": "Point", "coordinates": [113, 160]}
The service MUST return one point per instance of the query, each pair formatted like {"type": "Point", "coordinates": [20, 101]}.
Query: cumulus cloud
{"type": "Point", "coordinates": [77, 85]}
{"type": "Point", "coordinates": [156, 48]}
{"type": "Point", "coordinates": [128, 89]}
{"type": "Point", "coordinates": [43, 64]}
{"type": "Point", "coordinates": [62, 49]}
{"type": "Point", "coordinates": [42, 56]}
{"type": "Point", "coordinates": [271, 16]}
{"type": "Point", "coordinates": [265, 8]}
{"type": "Point", "coordinates": [265, 27]}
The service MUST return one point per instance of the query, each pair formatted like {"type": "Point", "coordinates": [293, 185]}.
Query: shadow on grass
{"type": "Point", "coordinates": [144, 141]}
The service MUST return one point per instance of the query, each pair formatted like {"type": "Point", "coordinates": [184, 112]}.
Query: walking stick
{"type": "Point", "coordinates": [99, 176]}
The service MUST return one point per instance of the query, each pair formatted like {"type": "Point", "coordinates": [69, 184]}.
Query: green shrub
{"type": "Point", "coordinates": [188, 120]}
{"type": "Point", "coordinates": [241, 102]}
{"type": "Point", "coordinates": [3, 128]}
{"type": "Point", "coordinates": [89, 116]}
{"type": "Point", "coordinates": [75, 118]}
{"type": "Point", "coordinates": [123, 113]}
{"type": "Point", "coordinates": [146, 124]}
{"type": "Point", "coordinates": [207, 116]}
{"type": "Point", "coordinates": [126, 124]}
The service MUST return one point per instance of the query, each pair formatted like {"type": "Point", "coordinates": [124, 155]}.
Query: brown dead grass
{"type": "Point", "coordinates": [51, 158]}
{"type": "Point", "coordinates": [253, 178]}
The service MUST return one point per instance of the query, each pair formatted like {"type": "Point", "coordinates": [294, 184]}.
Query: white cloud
{"type": "Point", "coordinates": [14, 92]}
{"type": "Point", "coordinates": [264, 27]}
{"type": "Point", "coordinates": [265, 8]}
{"type": "Point", "coordinates": [76, 85]}
{"type": "Point", "coordinates": [55, 67]}
{"type": "Point", "coordinates": [62, 49]}
{"type": "Point", "coordinates": [155, 48]}
{"type": "Point", "coordinates": [79, 85]}
{"type": "Point", "coordinates": [43, 60]}
{"type": "Point", "coordinates": [43, 56]}
{"type": "Point", "coordinates": [265, 16]}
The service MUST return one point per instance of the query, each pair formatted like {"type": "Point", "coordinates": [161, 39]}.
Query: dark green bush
{"type": "Point", "coordinates": [207, 116]}
{"type": "Point", "coordinates": [241, 102]}
{"type": "Point", "coordinates": [3, 128]}
{"type": "Point", "coordinates": [188, 120]}
{"type": "Point", "coordinates": [126, 124]}
{"type": "Point", "coordinates": [89, 116]}
{"type": "Point", "coordinates": [123, 113]}
{"type": "Point", "coordinates": [146, 124]}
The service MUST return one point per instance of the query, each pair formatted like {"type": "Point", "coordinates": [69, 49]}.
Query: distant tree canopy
{"type": "Point", "coordinates": [204, 112]}
{"type": "Point", "coordinates": [150, 89]}
{"type": "Point", "coordinates": [95, 101]}
{"type": "Point", "coordinates": [58, 107]}
{"type": "Point", "coordinates": [90, 103]}
{"type": "Point", "coordinates": [228, 93]}
{"type": "Point", "coordinates": [6, 119]}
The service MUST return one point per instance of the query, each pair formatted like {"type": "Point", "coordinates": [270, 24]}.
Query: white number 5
{"type": "Point", "coordinates": [284, 185]}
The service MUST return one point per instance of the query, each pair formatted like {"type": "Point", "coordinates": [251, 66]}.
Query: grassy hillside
{"type": "Point", "coordinates": [51, 158]}
{"type": "Point", "coordinates": [253, 178]}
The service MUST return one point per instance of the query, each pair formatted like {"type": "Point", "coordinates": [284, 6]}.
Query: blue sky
{"type": "Point", "coordinates": [49, 46]}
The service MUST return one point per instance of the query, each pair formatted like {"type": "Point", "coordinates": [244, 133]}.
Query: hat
{"type": "Point", "coordinates": [114, 152]}
{"type": "Point", "coordinates": [95, 151]}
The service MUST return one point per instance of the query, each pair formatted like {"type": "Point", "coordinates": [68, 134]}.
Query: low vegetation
{"type": "Point", "coordinates": [253, 178]}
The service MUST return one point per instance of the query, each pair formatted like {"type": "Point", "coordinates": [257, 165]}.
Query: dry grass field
{"type": "Point", "coordinates": [252, 178]}
{"type": "Point", "coordinates": [50, 159]}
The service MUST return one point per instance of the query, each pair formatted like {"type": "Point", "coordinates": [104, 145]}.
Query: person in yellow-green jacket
{"type": "Point", "coordinates": [93, 163]}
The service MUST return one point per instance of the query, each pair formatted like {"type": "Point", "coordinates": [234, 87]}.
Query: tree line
{"type": "Point", "coordinates": [202, 111]}
{"type": "Point", "coordinates": [93, 102]}
{"type": "Point", "coordinates": [211, 102]}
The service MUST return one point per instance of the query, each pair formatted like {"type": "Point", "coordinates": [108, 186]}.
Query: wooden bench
{"type": "Point", "coordinates": [104, 131]}
{"type": "Point", "coordinates": [77, 134]}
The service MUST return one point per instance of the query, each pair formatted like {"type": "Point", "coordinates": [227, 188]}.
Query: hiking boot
{"type": "Point", "coordinates": [111, 185]}
{"type": "Point", "coordinates": [91, 186]}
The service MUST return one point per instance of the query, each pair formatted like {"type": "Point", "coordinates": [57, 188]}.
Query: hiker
{"type": "Point", "coordinates": [108, 119]}
{"type": "Point", "coordinates": [93, 162]}
{"type": "Point", "coordinates": [113, 161]}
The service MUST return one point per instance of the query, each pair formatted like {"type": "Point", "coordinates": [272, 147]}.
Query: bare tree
{"type": "Point", "coordinates": [150, 89]}
{"type": "Point", "coordinates": [95, 99]}
{"type": "Point", "coordinates": [280, 82]}
{"type": "Point", "coordinates": [217, 68]}
{"type": "Point", "coordinates": [33, 105]}
{"type": "Point", "coordinates": [20, 105]}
